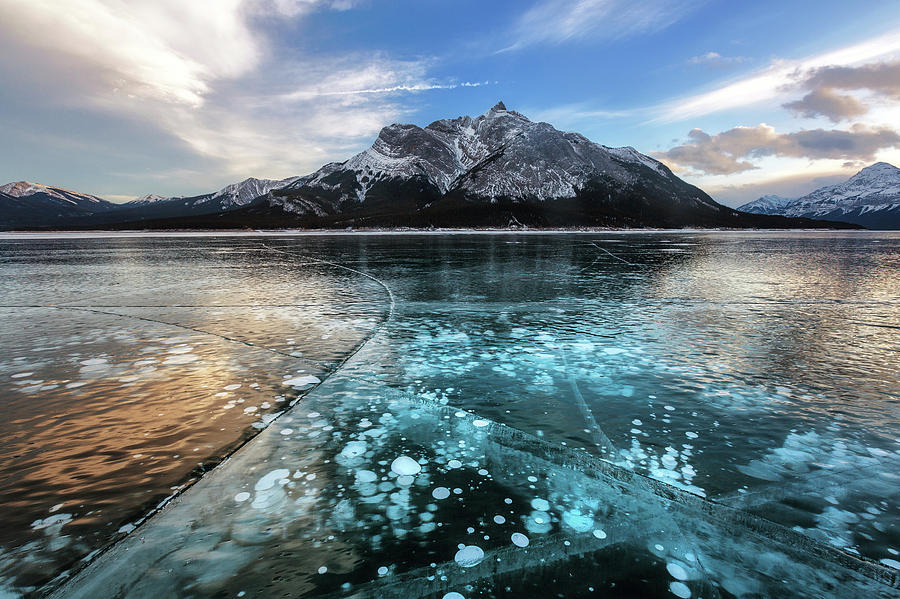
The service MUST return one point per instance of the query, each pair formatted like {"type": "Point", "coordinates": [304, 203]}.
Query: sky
{"type": "Point", "coordinates": [122, 98]}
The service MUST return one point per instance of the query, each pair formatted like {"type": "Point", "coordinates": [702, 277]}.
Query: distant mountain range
{"type": "Point", "coordinates": [496, 170]}
{"type": "Point", "coordinates": [870, 198]}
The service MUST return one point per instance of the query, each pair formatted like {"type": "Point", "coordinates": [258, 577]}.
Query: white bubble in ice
{"type": "Point", "coordinates": [577, 521]}
{"type": "Point", "coordinates": [453, 595]}
{"type": "Point", "coordinates": [441, 493]}
{"type": "Point", "coordinates": [232, 387]}
{"type": "Point", "coordinates": [479, 423]}
{"type": "Point", "coordinates": [691, 435]}
{"type": "Point", "coordinates": [679, 589]}
{"type": "Point", "coordinates": [454, 464]}
{"type": "Point", "coordinates": [677, 571]}
{"type": "Point", "coordinates": [499, 519]}
{"type": "Point", "coordinates": [541, 505]}
{"type": "Point", "coordinates": [599, 533]}
{"type": "Point", "coordinates": [301, 381]}
{"type": "Point", "coordinates": [287, 431]}
{"type": "Point", "coordinates": [382, 571]}
{"type": "Point", "coordinates": [268, 481]}
{"type": "Point", "coordinates": [468, 556]}
{"type": "Point", "coordinates": [242, 496]}
{"type": "Point", "coordinates": [322, 570]}
{"type": "Point", "coordinates": [366, 476]}
{"type": "Point", "coordinates": [405, 466]}
{"type": "Point", "coordinates": [519, 540]}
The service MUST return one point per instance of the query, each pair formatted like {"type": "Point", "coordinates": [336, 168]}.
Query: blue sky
{"type": "Point", "coordinates": [122, 98]}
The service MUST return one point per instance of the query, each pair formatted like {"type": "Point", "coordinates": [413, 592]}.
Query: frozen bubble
{"type": "Point", "coordinates": [322, 569]}
{"type": "Point", "coordinates": [184, 349]}
{"type": "Point", "coordinates": [405, 466]}
{"type": "Point", "coordinates": [301, 381]}
{"type": "Point", "coordinates": [382, 571]}
{"type": "Point", "coordinates": [468, 556]}
{"type": "Point", "coordinates": [460, 414]}
{"type": "Point", "coordinates": [519, 540]}
{"type": "Point", "coordinates": [366, 476]}
{"type": "Point", "coordinates": [405, 480]}
{"type": "Point", "coordinates": [679, 589]}
{"type": "Point", "coordinates": [242, 496]}
{"type": "Point", "coordinates": [453, 595]}
{"type": "Point", "coordinates": [441, 493]}
{"type": "Point", "coordinates": [127, 528]}
{"type": "Point", "coordinates": [669, 462]}
{"type": "Point", "coordinates": [479, 423]}
{"type": "Point", "coordinates": [454, 464]}
{"type": "Point", "coordinates": [287, 431]}
{"type": "Point", "coordinates": [599, 533]}
{"type": "Point", "coordinates": [677, 571]}
{"type": "Point", "coordinates": [232, 387]}
{"type": "Point", "coordinates": [577, 521]}
{"type": "Point", "coordinates": [669, 408]}
{"type": "Point", "coordinates": [891, 562]}
{"type": "Point", "coordinates": [354, 449]}
{"type": "Point", "coordinates": [93, 362]}
{"type": "Point", "coordinates": [499, 519]}
{"type": "Point", "coordinates": [268, 481]}
{"type": "Point", "coordinates": [637, 422]}
{"type": "Point", "coordinates": [58, 519]}
{"type": "Point", "coordinates": [541, 505]}
{"type": "Point", "coordinates": [20, 375]}
{"type": "Point", "coordinates": [691, 435]}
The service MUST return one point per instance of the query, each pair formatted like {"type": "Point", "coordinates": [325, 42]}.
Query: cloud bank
{"type": "Point", "coordinates": [729, 152]}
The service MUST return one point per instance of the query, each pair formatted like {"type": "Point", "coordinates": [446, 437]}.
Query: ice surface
{"type": "Point", "coordinates": [574, 415]}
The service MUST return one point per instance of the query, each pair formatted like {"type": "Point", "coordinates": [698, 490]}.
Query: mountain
{"type": "Point", "coordinates": [499, 169]}
{"type": "Point", "coordinates": [23, 203]}
{"type": "Point", "coordinates": [768, 204]}
{"type": "Point", "coordinates": [870, 198]}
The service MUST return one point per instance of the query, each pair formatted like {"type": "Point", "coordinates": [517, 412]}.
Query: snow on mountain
{"type": "Point", "coordinates": [500, 154]}
{"type": "Point", "coordinates": [874, 187]}
{"type": "Point", "coordinates": [244, 192]}
{"type": "Point", "coordinates": [147, 199]}
{"type": "Point", "coordinates": [870, 198]}
{"type": "Point", "coordinates": [767, 204]}
{"type": "Point", "coordinates": [24, 189]}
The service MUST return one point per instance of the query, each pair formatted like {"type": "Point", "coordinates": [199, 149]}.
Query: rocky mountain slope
{"type": "Point", "coordinates": [870, 198]}
{"type": "Point", "coordinates": [23, 203]}
{"type": "Point", "coordinates": [499, 169]}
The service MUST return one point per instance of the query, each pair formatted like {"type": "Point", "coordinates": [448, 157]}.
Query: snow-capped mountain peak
{"type": "Point", "coordinates": [871, 198]}
{"type": "Point", "coordinates": [243, 192]}
{"type": "Point", "coordinates": [498, 154]}
{"type": "Point", "coordinates": [24, 189]}
{"type": "Point", "coordinates": [767, 204]}
{"type": "Point", "coordinates": [150, 198]}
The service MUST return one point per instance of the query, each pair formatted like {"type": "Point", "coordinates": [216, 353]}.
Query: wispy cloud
{"type": "Point", "coordinates": [205, 73]}
{"type": "Point", "coordinates": [774, 81]}
{"type": "Point", "coordinates": [715, 59]}
{"type": "Point", "coordinates": [559, 21]}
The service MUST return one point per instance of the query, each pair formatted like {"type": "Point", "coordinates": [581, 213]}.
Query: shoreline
{"type": "Point", "coordinates": [116, 233]}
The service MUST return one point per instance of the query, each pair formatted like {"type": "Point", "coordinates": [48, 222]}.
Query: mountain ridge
{"type": "Point", "coordinates": [497, 169]}
{"type": "Point", "coordinates": [870, 198]}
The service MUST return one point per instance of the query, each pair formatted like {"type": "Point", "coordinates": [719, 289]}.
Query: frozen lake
{"type": "Point", "coordinates": [694, 414]}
